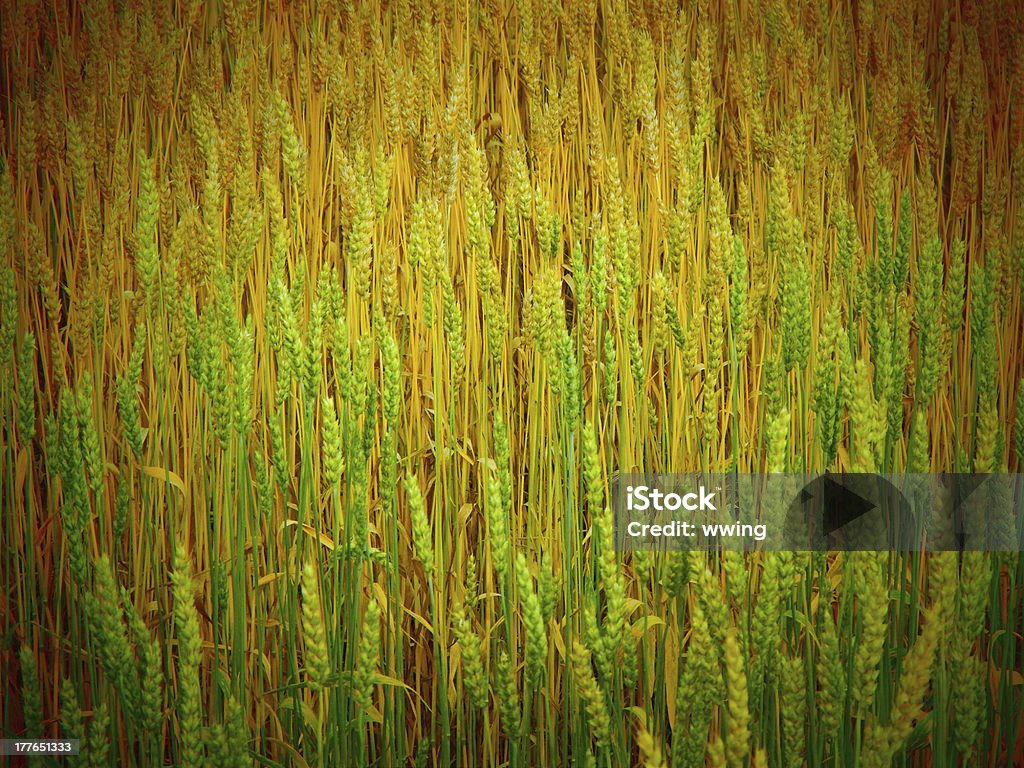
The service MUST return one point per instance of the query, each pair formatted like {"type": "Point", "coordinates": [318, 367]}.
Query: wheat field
{"type": "Point", "coordinates": [325, 327]}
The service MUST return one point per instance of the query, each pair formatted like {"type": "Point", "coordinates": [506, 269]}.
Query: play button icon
{"type": "Point", "coordinates": [850, 511]}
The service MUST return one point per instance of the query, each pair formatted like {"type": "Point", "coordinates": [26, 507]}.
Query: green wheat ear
{"type": "Point", "coordinates": [421, 536]}
{"type": "Point", "coordinates": [1018, 421]}
{"type": "Point", "coordinates": [509, 703]}
{"type": "Point", "coordinates": [832, 680]}
{"type": "Point", "coordinates": [96, 750]}
{"type": "Point", "coordinates": [794, 710]}
{"type": "Point", "coordinates": [369, 651]}
{"type": "Point", "coordinates": [873, 608]}
{"type": "Point", "coordinates": [475, 674]}
{"type": "Point", "coordinates": [316, 654]}
{"type": "Point", "coordinates": [591, 695]}
{"type": "Point", "coordinates": [31, 692]}
{"type": "Point", "coordinates": [497, 526]}
{"type": "Point", "coordinates": [738, 738]}
{"type": "Point", "coordinates": [189, 698]}
{"type": "Point", "coordinates": [700, 680]}
{"type": "Point", "coordinates": [105, 614]}
{"type": "Point", "coordinates": [334, 459]}
{"type": "Point", "coordinates": [150, 667]}
{"type": "Point", "coordinates": [537, 637]}
{"type": "Point", "coordinates": [71, 721]}
{"type": "Point", "coordinates": [26, 421]}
